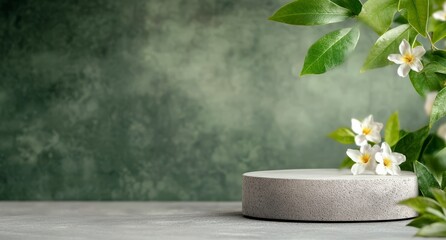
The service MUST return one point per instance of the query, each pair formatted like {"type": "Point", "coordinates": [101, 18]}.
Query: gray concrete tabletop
{"type": "Point", "coordinates": [171, 220]}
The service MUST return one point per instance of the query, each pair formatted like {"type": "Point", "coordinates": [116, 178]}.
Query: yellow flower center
{"type": "Point", "coordinates": [366, 130]}
{"type": "Point", "coordinates": [408, 58]}
{"type": "Point", "coordinates": [365, 158]}
{"type": "Point", "coordinates": [387, 163]}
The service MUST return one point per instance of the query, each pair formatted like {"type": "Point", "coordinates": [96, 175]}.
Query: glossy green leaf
{"type": "Point", "coordinates": [420, 204]}
{"type": "Point", "coordinates": [417, 14]}
{"type": "Point", "coordinates": [411, 145]}
{"type": "Point", "coordinates": [435, 212]}
{"type": "Point", "coordinates": [426, 180]}
{"type": "Point", "coordinates": [403, 133]}
{"type": "Point", "coordinates": [343, 135]}
{"type": "Point", "coordinates": [346, 163]}
{"type": "Point", "coordinates": [392, 133]}
{"type": "Point", "coordinates": [330, 51]}
{"type": "Point", "coordinates": [423, 220]}
{"type": "Point", "coordinates": [400, 19]}
{"type": "Point", "coordinates": [443, 181]}
{"type": "Point", "coordinates": [378, 14]}
{"type": "Point", "coordinates": [425, 82]}
{"type": "Point", "coordinates": [433, 144]}
{"type": "Point", "coordinates": [438, 29]}
{"type": "Point", "coordinates": [433, 230]}
{"type": "Point", "coordinates": [388, 44]}
{"type": "Point", "coordinates": [440, 196]}
{"type": "Point", "coordinates": [354, 6]}
{"type": "Point", "coordinates": [438, 108]}
{"type": "Point", "coordinates": [304, 12]}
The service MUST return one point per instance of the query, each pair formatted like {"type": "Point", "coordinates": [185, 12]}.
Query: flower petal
{"type": "Point", "coordinates": [379, 157]}
{"type": "Point", "coordinates": [357, 169]}
{"type": "Point", "coordinates": [441, 132]}
{"type": "Point", "coordinates": [360, 140]}
{"type": "Point", "coordinates": [353, 154]}
{"type": "Point", "coordinates": [356, 126]}
{"type": "Point", "coordinates": [417, 66]}
{"type": "Point", "coordinates": [418, 51]}
{"type": "Point", "coordinates": [396, 58]}
{"type": "Point", "coordinates": [398, 158]}
{"type": "Point", "coordinates": [381, 170]}
{"type": "Point", "coordinates": [374, 137]}
{"type": "Point", "coordinates": [379, 126]}
{"type": "Point", "coordinates": [439, 15]}
{"type": "Point", "coordinates": [365, 148]}
{"type": "Point", "coordinates": [386, 148]}
{"type": "Point", "coordinates": [404, 47]}
{"type": "Point", "coordinates": [429, 102]}
{"type": "Point", "coordinates": [371, 165]}
{"type": "Point", "coordinates": [403, 70]}
{"type": "Point", "coordinates": [395, 170]}
{"type": "Point", "coordinates": [368, 120]}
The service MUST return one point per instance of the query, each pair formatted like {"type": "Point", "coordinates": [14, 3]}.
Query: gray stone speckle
{"type": "Point", "coordinates": [327, 195]}
{"type": "Point", "coordinates": [172, 220]}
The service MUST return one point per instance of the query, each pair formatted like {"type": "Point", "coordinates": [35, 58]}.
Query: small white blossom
{"type": "Point", "coordinates": [430, 98]}
{"type": "Point", "coordinates": [441, 132]}
{"type": "Point", "coordinates": [367, 130]}
{"type": "Point", "coordinates": [364, 158]}
{"type": "Point", "coordinates": [388, 161]}
{"type": "Point", "coordinates": [440, 15]}
{"type": "Point", "coordinates": [410, 58]}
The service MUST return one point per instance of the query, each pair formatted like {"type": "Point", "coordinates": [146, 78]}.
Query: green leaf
{"type": "Point", "coordinates": [433, 144]}
{"type": "Point", "coordinates": [387, 44]}
{"type": "Point", "coordinates": [354, 6]}
{"type": "Point", "coordinates": [426, 179]}
{"type": "Point", "coordinates": [403, 133]}
{"type": "Point", "coordinates": [343, 135]}
{"type": "Point", "coordinates": [431, 156]}
{"type": "Point", "coordinates": [400, 19]}
{"type": "Point", "coordinates": [438, 29]}
{"type": "Point", "coordinates": [392, 133]}
{"type": "Point", "coordinates": [443, 181]}
{"type": "Point", "coordinates": [435, 212]}
{"type": "Point", "coordinates": [378, 14]}
{"type": "Point", "coordinates": [304, 12]}
{"type": "Point", "coordinates": [438, 108]}
{"type": "Point", "coordinates": [423, 220]}
{"type": "Point", "coordinates": [425, 82]}
{"type": "Point", "coordinates": [440, 196]}
{"type": "Point", "coordinates": [330, 51]}
{"type": "Point", "coordinates": [421, 204]}
{"type": "Point", "coordinates": [411, 145]}
{"type": "Point", "coordinates": [433, 76]}
{"type": "Point", "coordinates": [346, 163]}
{"type": "Point", "coordinates": [433, 230]}
{"type": "Point", "coordinates": [417, 14]}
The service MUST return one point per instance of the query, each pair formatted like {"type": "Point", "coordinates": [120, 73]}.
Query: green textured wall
{"type": "Point", "coordinates": [170, 100]}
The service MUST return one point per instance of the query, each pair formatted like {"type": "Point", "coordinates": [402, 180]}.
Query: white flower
{"type": "Point", "coordinates": [440, 15]}
{"type": "Point", "coordinates": [409, 58]}
{"type": "Point", "coordinates": [430, 98]}
{"type": "Point", "coordinates": [364, 158]}
{"type": "Point", "coordinates": [388, 161]}
{"type": "Point", "coordinates": [367, 130]}
{"type": "Point", "coordinates": [441, 132]}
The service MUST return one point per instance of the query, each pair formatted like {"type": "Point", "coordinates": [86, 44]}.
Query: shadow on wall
{"type": "Point", "coordinates": [162, 100]}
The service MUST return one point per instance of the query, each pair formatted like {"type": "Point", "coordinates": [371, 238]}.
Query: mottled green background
{"type": "Point", "coordinates": [170, 100]}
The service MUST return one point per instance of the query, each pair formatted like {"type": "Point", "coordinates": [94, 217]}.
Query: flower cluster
{"type": "Point", "coordinates": [409, 58]}
{"type": "Point", "coordinates": [381, 159]}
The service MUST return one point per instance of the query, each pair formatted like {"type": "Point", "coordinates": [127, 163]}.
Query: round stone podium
{"type": "Point", "coordinates": [327, 195]}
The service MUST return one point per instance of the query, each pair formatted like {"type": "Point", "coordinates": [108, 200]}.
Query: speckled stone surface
{"type": "Point", "coordinates": [327, 195]}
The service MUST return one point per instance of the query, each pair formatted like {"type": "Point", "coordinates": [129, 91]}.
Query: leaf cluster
{"type": "Point", "coordinates": [392, 20]}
